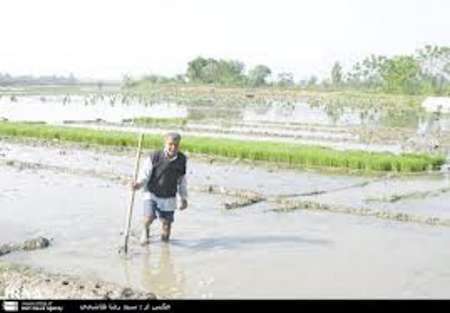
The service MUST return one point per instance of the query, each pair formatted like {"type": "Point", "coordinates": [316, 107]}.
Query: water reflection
{"type": "Point", "coordinates": [159, 273]}
{"type": "Point", "coordinates": [152, 268]}
{"type": "Point", "coordinates": [78, 108]}
{"type": "Point", "coordinates": [311, 114]}
{"type": "Point", "coordinates": [243, 242]}
{"type": "Point", "coordinates": [322, 114]}
{"type": "Point", "coordinates": [115, 108]}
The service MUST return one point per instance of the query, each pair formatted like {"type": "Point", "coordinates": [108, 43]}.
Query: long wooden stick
{"type": "Point", "coordinates": [130, 208]}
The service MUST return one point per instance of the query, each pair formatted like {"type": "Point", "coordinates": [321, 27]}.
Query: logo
{"type": "Point", "coordinates": [11, 306]}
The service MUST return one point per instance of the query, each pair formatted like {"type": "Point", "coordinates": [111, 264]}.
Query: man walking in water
{"type": "Point", "coordinates": [163, 177]}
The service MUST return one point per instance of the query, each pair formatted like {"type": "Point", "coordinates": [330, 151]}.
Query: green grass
{"type": "Point", "coordinates": [150, 121]}
{"type": "Point", "coordinates": [292, 154]}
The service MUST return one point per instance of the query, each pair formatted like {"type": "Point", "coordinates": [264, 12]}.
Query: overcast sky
{"type": "Point", "coordinates": [107, 39]}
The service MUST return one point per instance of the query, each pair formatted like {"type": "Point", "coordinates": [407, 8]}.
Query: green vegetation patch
{"type": "Point", "coordinates": [292, 154]}
{"type": "Point", "coordinates": [150, 121]}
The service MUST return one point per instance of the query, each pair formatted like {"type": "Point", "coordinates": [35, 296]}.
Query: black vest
{"type": "Point", "coordinates": [165, 174]}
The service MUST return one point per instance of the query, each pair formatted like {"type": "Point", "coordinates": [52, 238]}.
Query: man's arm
{"type": "Point", "coordinates": [182, 192]}
{"type": "Point", "coordinates": [144, 175]}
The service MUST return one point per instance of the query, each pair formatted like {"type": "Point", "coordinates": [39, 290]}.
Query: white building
{"type": "Point", "coordinates": [436, 104]}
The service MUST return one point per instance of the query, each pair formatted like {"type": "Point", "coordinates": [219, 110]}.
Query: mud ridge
{"type": "Point", "coordinates": [246, 197]}
{"type": "Point", "coordinates": [292, 205]}
{"type": "Point", "coordinates": [31, 244]}
{"type": "Point", "coordinates": [23, 282]}
{"type": "Point", "coordinates": [411, 195]}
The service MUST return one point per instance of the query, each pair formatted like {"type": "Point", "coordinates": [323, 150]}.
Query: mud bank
{"type": "Point", "coordinates": [31, 244]}
{"type": "Point", "coordinates": [291, 205]}
{"type": "Point", "coordinates": [23, 282]}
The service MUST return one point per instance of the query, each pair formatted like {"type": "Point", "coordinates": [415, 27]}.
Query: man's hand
{"type": "Point", "coordinates": [184, 204]}
{"type": "Point", "coordinates": [135, 185]}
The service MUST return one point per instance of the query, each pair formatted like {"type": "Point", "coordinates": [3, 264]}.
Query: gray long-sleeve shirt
{"type": "Point", "coordinates": [164, 204]}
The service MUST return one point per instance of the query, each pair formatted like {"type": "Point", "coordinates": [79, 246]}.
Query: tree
{"type": "Point", "coordinates": [434, 67]}
{"type": "Point", "coordinates": [285, 79]}
{"type": "Point", "coordinates": [312, 81]}
{"type": "Point", "coordinates": [195, 67]}
{"type": "Point", "coordinates": [230, 72]}
{"type": "Point", "coordinates": [211, 71]}
{"type": "Point", "coordinates": [180, 78]}
{"type": "Point", "coordinates": [400, 74]}
{"type": "Point", "coordinates": [336, 74]}
{"type": "Point", "coordinates": [367, 73]}
{"type": "Point", "coordinates": [72, 79]}
{"type": "Point", "coordinates": [127, 81]}
{"type": "Point", "coordinates": [258, 75]}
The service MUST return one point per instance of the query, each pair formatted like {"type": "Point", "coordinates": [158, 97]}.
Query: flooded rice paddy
{"type": "Point", "coordinates": [72, 195]}
{"type": "Point", "coordinates": [339, 127]}
{"type": "Point", "coordinates": [342, 236]}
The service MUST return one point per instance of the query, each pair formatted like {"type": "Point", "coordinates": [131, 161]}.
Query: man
{"type": "Point", "coordinates": [163, 177]}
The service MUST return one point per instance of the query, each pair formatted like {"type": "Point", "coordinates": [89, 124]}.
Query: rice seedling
{"type": "Point", "coordinates": [151, 121]}
{"type": "Point", "coordinates": [293, 155]}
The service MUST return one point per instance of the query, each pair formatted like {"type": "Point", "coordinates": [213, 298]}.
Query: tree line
{"type": "Point", "coordinates": [26, 80]}
{"type": "Point", "coordinates": [427, 71]}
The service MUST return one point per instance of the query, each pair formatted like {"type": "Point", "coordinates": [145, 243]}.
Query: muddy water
{"type": "Point", "coordinates": [116, 107]}
{"type": "Point", "coordinates": [224, 254]}
{"type": "Point", "coordinates": [215, 253]}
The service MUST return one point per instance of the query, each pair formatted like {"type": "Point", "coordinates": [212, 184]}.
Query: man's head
{"type": "Point", "coordinates": [172, 143]}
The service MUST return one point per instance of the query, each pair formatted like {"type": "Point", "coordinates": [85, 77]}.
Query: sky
{"type": "Point", "coordinates": [106, 39]}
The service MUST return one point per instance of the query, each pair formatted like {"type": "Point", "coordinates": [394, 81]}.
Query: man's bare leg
{"type": "Point", "coordinates": [166, 227]}
{"type": "Point", "coordinates": [145, 238]}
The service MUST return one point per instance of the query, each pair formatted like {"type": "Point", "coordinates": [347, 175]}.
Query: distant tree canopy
{"type": "Point", "coordinates": [312, 81]}
{"type": "Point", "coordinates": [400, 74]}
{"type": "Point", "coordinates": [211, 71]}
{"type": "Point", "coordinates": [285, 79]}
{"type": "Point", "coordinates": [228, 72]}
{"type": "Point", "coordinates": [366, 73]}
{"type": "Point", "coordinates": [9, 80]}
{"type": "Point", "coordinates": [434, 64]}
{"type": "Point", "coordinates": [336, 74]}
{"type": "Point", "coordinates": [427, 71]}
{"type": "Point", "coordinates": [258, 75]}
